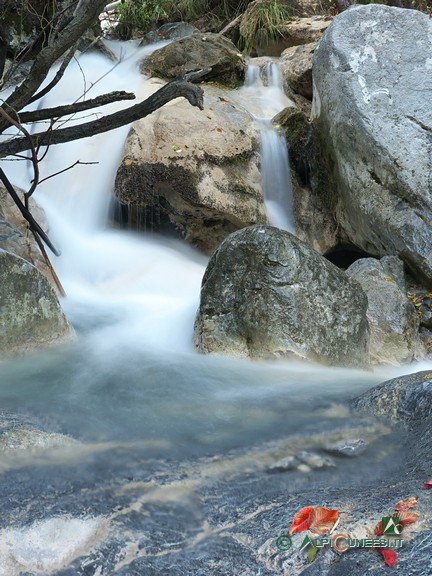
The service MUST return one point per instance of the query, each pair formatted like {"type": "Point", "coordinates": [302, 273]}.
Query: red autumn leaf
{"type": "Point", "coordinates": [301, 521]}
{"type": "Point", "coordinates": [428, 484]}
{"type": "Point", "coordinates": [410, 502]}
{"type": "Point", "coordinates": [406, 518]}
{"type": "Point", "coordinates": [317, 519]}
{"type": "Point", "coordinates": [378, 529]}
{"type": "Point", "coordinates": [389, 556]}
{"type": "Point", "coordinates": [323, 520]}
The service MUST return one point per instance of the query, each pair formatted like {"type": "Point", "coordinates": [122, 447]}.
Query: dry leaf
{"type": "Point", "coordinates": [378, 529]}
{"type": "Point", "coordinates": [407, 517]}
{"type": "Point", "coordinates": [410, 502]}
{"type": "Point", "coordinates": [301, 521]}
{"type": "Point", "coordinates": [389, 556]}
{"type": "Point", "coordinates": [316, 519]}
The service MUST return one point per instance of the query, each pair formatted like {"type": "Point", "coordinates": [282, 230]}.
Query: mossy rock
{"type": "Point", "coordinates": [196, 52]}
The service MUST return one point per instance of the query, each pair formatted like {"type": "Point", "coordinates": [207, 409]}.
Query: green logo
{"type": "Point", "coordinates": [391, 525]}
{"type": "Point", "coordinates": [306, 542]}
{"type": "Point", "coordinates": [284, 542]}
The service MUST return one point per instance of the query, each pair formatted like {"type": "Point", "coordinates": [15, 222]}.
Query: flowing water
{"type": "Point", "coordinates": [132, 375]}
{"type": "Point", "coordinates": [266, 98]}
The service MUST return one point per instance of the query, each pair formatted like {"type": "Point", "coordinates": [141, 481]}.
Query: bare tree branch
{"type": "Point", "coordinates": [174, 89]}
{"type": "Point", "coordinates": [26, 213]}
{"type": "Point", "coordinates": [83, 17]}
{"type": "Point", "coordinates": [59, 111]}
{"type": "Point", "coordinates": [57, 77]}
{"type": "Point", "coordinates": [34, 158]}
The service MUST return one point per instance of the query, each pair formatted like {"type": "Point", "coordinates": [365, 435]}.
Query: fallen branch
{"type": "Point", "coordinates": [59, 111]}
{"type": "Point", "coordinates": [26, 213]}
{"type": "Point", "coordinates": [172, 90]}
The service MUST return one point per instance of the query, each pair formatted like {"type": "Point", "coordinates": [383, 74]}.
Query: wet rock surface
{"type": "Point", "coordinates": [122, 510]}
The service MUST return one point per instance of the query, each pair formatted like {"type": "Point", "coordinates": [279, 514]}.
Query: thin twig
{"type": "Point", "coordinates": [48, 263]}
{"type": "Point", "coordinates": [56, 78]}
{"type": "Point", "coordinates": [77, 163]}
{"type": "Point", "coordinates": [34, 158]}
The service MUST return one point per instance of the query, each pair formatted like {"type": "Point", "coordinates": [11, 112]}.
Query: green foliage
{"type": "Point", "coordinates": [264, 19]}
{"type": "Point", "coordinates": [140, 14]}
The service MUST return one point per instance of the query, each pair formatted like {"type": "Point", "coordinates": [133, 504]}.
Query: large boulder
{"type": "Point", "coordinates": [30, 314]}
{"type": "Point", "coordinates": [266, 294]}
{"type": "Point", "coordinates": [372, 95]}
{"type": "Point", "coordinates": [195, 172]}
{"type": "Point", "coordinates": [393, 320]}
{"type": "Point", "coordinates": [198, 51]}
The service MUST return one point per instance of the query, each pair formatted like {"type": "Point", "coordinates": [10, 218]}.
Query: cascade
{"type": "Point", "coordinates": [133, 372]}
{"type": "Point", "coordinates": [265, 97]}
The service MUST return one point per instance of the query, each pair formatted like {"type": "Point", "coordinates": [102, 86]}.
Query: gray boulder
{"type": "Point", "coordinates": [197, 51]}
{"type": "Point", "coordinates": [266, 294]}
{"type": "Point", "coordinates": [30, 314]}
{"type": "Point", "coordinates": [372, 94]}
{"type": "Point", "coordinates": [393, 320]}
{"type": "Point", "coordinates": [194, 173]}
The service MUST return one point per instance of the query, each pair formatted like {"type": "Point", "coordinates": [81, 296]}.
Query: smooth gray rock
{"type": "Point", "coordinates": [371, 109]}
{"type": "Point", "coordinates": [266, 294]}
{"type": "Point", "coordinates": [30, 313]}
{"type": "Point", "coordinates": [393, 320]}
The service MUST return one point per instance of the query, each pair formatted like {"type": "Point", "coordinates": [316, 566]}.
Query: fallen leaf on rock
{"type": "Point", "coordinates": [316, 519]}
{"type": "Point", "coordinates": [378, 529]}
{"type": "Point", "coordinates": [407, 517]}
{"type": "Point", "coordinates": [410, 502]}
{"type": "Point", "coordinates": [389, 556]}
{"type": "Point", "coordinates": [301, 521]}
{"type": "Point", "coordinates": [428, 485]}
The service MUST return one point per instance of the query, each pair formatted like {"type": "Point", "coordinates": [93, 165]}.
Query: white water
{"type": "Point", "coordinates": [133, 373]}
{"type": "Point", "coordinates": [266, 98]}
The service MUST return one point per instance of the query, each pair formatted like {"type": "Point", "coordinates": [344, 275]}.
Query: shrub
{"type": "Point", "coordinates": [264, 19]}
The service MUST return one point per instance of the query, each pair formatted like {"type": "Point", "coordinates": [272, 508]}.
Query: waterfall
{"type": "Point", "coordinates": [265, 98]}
{"type": "Point", "coordinates": [133, 373]}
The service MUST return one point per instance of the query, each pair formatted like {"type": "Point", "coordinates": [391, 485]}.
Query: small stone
{"type": "Point", "coordinates": [283, 465]}
{"type": "Point", "coordinates": [348, 448]}
{"type": "Point", "coordinates": [313, 460]}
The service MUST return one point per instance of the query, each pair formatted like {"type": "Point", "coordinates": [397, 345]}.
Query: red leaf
{"type": "Point", "coordinates": [301, 521]}
{"type": "Point", "coordinates": [410, 502]}
{"type": "Point", "coordinates": [389, 556]}
{"type": "Point", "coordinates": [318, 520]}
{"type": "Point", "coordinates": [323, 520]}
{"type": "Point", "coordinates": [407, 518]}
{"type": "Point", "coordinates": [378, 529]}
{"type": "Point", "coordinates": [428, 484]}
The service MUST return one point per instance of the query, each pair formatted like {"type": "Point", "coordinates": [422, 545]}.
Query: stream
{"type": "Point", "coordinates": [131, 390]}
